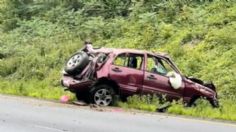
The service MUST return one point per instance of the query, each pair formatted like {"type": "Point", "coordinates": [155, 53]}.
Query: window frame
{"type": "Point", "coordinates": [162, 59]}
{"type": "Point", "coordinates": [127, 54]}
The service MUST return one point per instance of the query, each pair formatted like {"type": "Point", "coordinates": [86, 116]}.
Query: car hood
{"type": "Point", "coordinates": [208, 84]}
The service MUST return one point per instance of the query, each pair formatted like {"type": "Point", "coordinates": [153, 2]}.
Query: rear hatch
{"type": "Point", "coordinates": [87, 77]}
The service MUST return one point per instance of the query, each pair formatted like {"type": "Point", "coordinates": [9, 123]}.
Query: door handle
{"type": "Point", "coordinates": [152, 77]}
{"type": "Point", "coordinates": [116, 69]}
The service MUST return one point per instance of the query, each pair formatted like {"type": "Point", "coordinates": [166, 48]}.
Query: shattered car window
{"type": "Point", "coordinates": [102, 58]}
{"type": "Point", "coordinates": [158, 66]}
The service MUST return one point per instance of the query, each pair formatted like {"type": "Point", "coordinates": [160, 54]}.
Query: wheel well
{"type": "Point", "coordinates": [195, 97]}
{"type": "Point", "coordinates": [213, 103]}
{"type": "Point", "coordinates": [109, 82]}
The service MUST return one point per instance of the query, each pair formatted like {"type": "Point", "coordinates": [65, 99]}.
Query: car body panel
{"type": "Point", "coordinates": [74, 84]}
{"type": "Point", "coordinates": [158, 84]}
{"type": "Point", "coordinates": [130, 80]}
{"type": "Point", "coordinates": [135, 81]}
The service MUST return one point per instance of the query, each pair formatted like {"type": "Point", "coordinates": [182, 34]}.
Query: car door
{"type": "Point", "coordinates": [156, 80]}
{"type": "Point", "coordinates": [127, 71]}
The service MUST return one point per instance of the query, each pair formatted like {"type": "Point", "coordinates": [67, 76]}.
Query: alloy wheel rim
{"type": "Point", "coordinates": [103, 97]}
{"type": "Point", "coordinates": [73, 61]}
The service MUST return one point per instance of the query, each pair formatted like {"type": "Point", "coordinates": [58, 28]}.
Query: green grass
{"type": "Point", "coordinates": [33, 88]}
{"type": "Point", "coordinates": [146, 102]}
{"type": "Point", "coordinates": [203, 109]}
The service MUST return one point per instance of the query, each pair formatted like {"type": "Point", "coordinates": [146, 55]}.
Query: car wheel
{"type": "Point", "coordinates": [103, 95]}
{"type": "Point", "coordinates": [214, 103]}
{"type": "Point", "coordinates": [82, 96]}
{"type": "Point", "coordinates": [76, 63]}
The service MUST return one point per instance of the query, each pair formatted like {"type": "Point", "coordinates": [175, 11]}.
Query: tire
{"type": "Point", "coordinates": [76, 63]}
{"type": "Point", "coordinates": [79, 96]}
{"type": "Point", "coordinates": [102, 95]}
{"type": "Point", "coordinates": [214, 103]}
{"type": "Point", "coordinates": [82, 96]}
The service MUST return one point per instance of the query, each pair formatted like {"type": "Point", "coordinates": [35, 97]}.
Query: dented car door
{"type": "Point", "coordinates": [156, 79]}
{"type": "Point", "coordinates": [127, 71]}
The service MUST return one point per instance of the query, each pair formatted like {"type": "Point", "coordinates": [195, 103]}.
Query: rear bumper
{"type": "Point", "coordinates": [75, 85]}
{"type": "Point", "coordinates": [67, 81]}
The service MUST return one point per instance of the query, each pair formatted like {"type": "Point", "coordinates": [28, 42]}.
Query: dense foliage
{"type": "Point", "coordinates": [37, 36]}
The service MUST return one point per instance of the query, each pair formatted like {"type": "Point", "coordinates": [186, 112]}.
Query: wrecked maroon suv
{"type": "Point", "coordinates": [124, 72]}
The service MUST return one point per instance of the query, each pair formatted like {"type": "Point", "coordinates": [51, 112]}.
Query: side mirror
{"type": "Point", "coordinates": [175, 80]}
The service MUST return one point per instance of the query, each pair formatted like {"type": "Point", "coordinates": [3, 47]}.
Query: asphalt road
{"type": "Point", "coordinates": [30, 115]}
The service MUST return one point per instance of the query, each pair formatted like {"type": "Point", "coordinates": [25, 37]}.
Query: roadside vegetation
{"type": "Point", "coordinates": [37, 36]}
{"type": "Point", "coordinates": [201, 109]}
